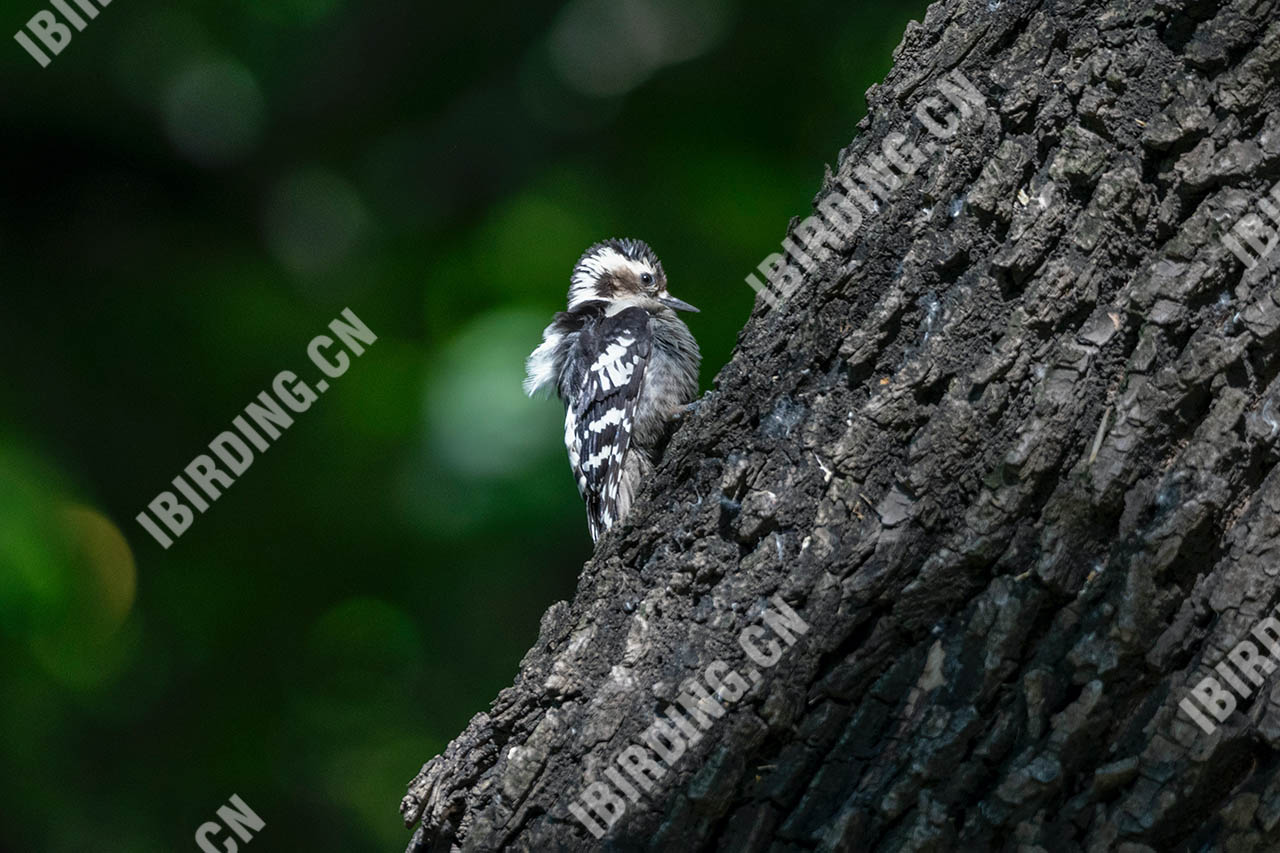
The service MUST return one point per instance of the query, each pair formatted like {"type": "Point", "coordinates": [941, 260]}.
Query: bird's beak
{"type": "Point", "coordinates": [677, 304]}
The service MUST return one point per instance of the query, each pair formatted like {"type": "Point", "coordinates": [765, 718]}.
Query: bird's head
{"type": "Point", "coordinates": [622, 273]}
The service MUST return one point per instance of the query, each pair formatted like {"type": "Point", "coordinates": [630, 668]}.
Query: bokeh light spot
{"type": "Point", "coordinates": [314, 218]}
{"type": "Point", "coordinates": [214, 112]}
{"type": "Point", "coordinates": [107, 574]}
{"type": "Point", "coordinates": [525, 241]}
{"type": "Point", "coordinates": [35, 558]}
{"type": "Point", "coordinates": [81, 643]}
{"type": "Point", "coordinates": [608, 47]}
{"type": "Point", "coordinates": [479, 421]}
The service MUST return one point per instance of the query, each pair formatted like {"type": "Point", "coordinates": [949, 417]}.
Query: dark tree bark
{"type": "Point", "coordinates": [1010, 453]}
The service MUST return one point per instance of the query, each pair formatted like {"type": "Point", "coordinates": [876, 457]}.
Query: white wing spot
{"type": "Point", "coordinates": [596, 460]}
{"type": "Point", "coordinates": [613, 416]}
{"type": "Point", "coordinates": [610, 367]}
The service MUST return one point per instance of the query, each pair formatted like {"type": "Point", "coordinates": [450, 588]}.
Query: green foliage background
{"type": "Point", "coordinates": [192, 191]}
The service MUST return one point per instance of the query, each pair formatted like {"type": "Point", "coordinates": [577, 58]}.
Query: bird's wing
{"type": "Point", "coordinates": [599, 415]}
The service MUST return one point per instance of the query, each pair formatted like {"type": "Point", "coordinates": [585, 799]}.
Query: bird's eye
{"type": "Point", "coordinates": [646, 279]}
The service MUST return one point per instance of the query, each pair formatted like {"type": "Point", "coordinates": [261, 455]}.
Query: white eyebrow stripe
{"type": "Point", "coordinates": [592, 269]}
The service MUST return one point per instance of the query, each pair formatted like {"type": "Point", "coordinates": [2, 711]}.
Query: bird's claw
{"type": "Point", "coordinates": [686, 410]}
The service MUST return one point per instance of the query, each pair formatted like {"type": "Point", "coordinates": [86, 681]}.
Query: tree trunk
{"type": "Point", "coordinates": [1008, 452]}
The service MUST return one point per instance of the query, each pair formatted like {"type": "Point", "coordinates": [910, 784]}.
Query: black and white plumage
{"type": "Point", "coordinates": [624, 364]}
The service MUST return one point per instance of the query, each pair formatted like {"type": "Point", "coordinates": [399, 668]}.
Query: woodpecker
{"type": "Point", "coordinates": [625, 366]}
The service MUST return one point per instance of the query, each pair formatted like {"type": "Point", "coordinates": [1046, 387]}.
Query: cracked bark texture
{"type": "Point", "coordinates": [1011, 455]}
